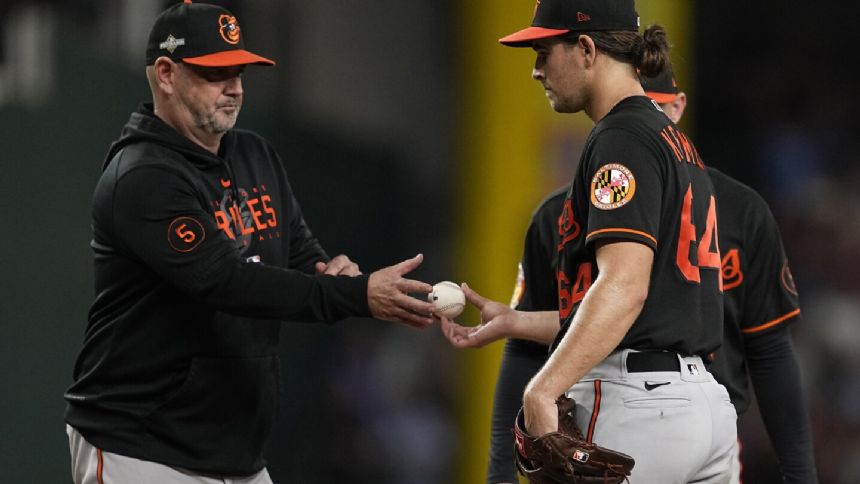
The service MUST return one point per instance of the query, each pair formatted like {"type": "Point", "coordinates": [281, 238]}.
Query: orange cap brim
{"type": "Point", "coordinates": [661, 97]}
{"type": "Point", "coordinates": [228, 58]}
{"type": "Point", "coordinates": [524, 37]}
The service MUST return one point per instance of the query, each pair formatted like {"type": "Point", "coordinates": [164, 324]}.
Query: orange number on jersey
{"type": "Point", "coordinates": [687, 237]}
{"type": "Point", "coordinates": [568, 297]}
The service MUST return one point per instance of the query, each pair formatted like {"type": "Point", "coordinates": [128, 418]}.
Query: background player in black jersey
{"type": "Point", "coordinates": [638, 261]}
{"type": "Point", "coordinates": [760, 302]}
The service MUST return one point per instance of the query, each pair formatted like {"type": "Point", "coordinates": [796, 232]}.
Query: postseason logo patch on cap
{"type": "Point", "coordinates": [171, 43]}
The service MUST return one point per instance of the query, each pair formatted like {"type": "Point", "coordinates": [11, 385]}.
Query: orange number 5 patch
{"type": "Point", "coordinates": [185, 234]}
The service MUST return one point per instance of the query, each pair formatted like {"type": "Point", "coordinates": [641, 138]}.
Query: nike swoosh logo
{"type": "Point", "coordinates": [651, 386]}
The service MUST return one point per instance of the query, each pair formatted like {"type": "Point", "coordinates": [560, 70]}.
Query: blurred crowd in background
{"type": "Point", "coordinates": [363, 107]}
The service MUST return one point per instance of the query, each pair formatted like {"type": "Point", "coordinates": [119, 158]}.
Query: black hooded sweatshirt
{"type": "Point", "coordinates": [197, 258]}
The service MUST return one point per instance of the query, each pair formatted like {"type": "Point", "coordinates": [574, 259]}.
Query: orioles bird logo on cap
{"type": "Point", "coordinates": [229, 29]}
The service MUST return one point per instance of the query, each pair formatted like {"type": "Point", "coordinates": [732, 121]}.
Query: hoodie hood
{"type": "Point", "coordinates": [145, 126]}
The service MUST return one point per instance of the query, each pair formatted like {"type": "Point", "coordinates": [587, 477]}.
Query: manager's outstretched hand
{"type": "Point", "coordinates": [388, 298]}
{"type": "Point", "coordinates": [497, 320]}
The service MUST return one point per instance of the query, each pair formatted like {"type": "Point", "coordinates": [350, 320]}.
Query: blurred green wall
{"type": "Point", "coordinates": [51, 156]}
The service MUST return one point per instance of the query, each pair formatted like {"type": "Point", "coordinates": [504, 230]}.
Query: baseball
{"type": "Point", "coordinates": [448, 299]}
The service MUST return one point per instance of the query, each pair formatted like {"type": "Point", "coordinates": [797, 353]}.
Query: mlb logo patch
{"type": "Point", "coordinates": [580, 456]}
{"type": "Point", "coordinates": [693, 369]}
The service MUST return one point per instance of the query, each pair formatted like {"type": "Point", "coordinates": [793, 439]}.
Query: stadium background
{"type": "Point", "coordinates": [405, 127]}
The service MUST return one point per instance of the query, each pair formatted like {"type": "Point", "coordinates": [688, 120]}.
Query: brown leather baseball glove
{"type": "Point", "coordinates": [565, 456]}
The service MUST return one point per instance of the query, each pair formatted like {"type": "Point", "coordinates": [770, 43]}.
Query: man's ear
{"type": "Point", "coordinates": [165, 74]}
{"type": "Point", "coordinates": [586, 43]}
{"type": "Point", "coordinates": [680, 103]}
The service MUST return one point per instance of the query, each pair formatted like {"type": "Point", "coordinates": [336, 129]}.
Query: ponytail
{"type": "Point", "coordinates": [648, 53]}
{"type": "Point", "coordinates": [653, 57]}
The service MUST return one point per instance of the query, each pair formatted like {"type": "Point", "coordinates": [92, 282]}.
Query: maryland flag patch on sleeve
{"type": "Point", "coordinates": [612, 186]}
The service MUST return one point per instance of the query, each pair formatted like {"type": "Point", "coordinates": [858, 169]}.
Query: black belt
{"type": "Point", "coordinates": [645, 361]}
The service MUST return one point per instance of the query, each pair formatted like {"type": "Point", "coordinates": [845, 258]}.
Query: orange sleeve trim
{"type": "Point", "coordinates": [594, 412]}
{"type": "Point", "coordinates": [631, 231]}
{"type": "Point", "coordinates": [762, 327]}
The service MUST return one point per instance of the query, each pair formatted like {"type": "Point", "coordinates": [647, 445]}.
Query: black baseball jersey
{"type": "Point", "coordinates": [640, 178]}
{"type": "Point", "coordinates": [760, 294]}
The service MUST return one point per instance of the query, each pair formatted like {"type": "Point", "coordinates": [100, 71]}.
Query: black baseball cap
{"type": "Point", "coordinates": [662, 88]}
{"type": "Point", "coordinates": [558, 17]}
{"type": "Point", "coordinates": [200, 34]}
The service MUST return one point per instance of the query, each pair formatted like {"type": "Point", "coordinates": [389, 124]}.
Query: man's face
{"type": "Point", "coordinates": [559, 67]}
{"type": "Point", "coordinates": [211, 95]}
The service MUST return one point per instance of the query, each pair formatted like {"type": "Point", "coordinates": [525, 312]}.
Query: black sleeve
{"type": "Point", "coordinates": [626, 189]}
{"type": "Point", "coordinates": [520, 361]}
{"type": "Point", "coordinates": [771, 298]}
{"type": "Point", "coordinates": [158, 217]}
{"type": "Point", "coordinates": [776, 380]}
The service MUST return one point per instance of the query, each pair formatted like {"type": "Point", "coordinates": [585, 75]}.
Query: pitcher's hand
{"type": "Point", "coordinates": [496, 321]}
